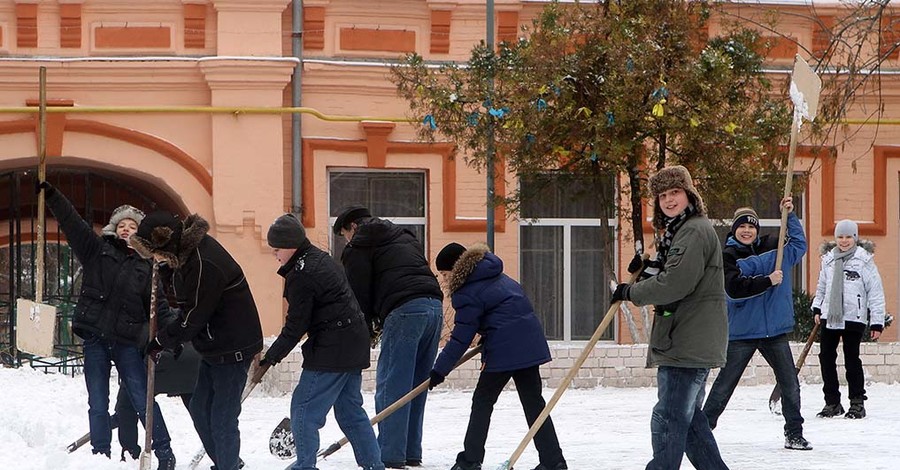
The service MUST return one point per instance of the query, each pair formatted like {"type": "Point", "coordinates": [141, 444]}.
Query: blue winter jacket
{"type": "Point", "coordinates": [756, 309]}
{"type": "Point", "coordinates": [492, 304]}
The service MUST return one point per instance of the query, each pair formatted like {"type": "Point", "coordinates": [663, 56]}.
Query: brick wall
{"type": "Point", "coordinates": [618, 366]}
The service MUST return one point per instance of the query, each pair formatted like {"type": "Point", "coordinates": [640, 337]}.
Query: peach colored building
{"type": "Point", "coordinates": [238, 170]}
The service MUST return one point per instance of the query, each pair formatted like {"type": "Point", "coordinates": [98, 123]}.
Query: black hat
{"type": "Point", "coordinates": [448, 256]}
{"type": "Point", "coordinates": [744, 215]}
{"type": "Point", "coordinates": [159, 233]}
{"type": "Point", "coordinates": [349, 215]}
{"type": "Point", "coordinates": [286, 232]}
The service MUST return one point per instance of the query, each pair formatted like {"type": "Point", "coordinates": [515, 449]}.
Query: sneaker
{"type": "Point", "coordinates": [857, 410]}
{"type": "Point", "coordinates": [797, 443]}
{"type": "Point", "coordinates": [466, 466]}
{"type": "Point", "coordinates": [413, 462]}
{"type": "Point", "coordinates": [557, 466]}
{"type": "Point", "coordinates": [830, 411]}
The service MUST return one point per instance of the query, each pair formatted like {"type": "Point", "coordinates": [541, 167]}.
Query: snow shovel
{"type": "Point", "coordinates": [775, 397]}
{"type": "Point", "coordinates": [588, 348]}
{"type": "Point", "coordinates": [35, 320]}
{"type": "Point", "coordinates": [146, 455]}
{"type": "Point", "coordinates": [805, 89]}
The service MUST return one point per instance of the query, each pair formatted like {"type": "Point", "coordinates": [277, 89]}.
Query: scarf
{"type": "Point", "coordinates": [835, 319]}
{"type": "Point", "coordinates": [672, 226]}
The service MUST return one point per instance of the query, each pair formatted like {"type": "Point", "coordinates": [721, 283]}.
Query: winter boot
{"type": "Point", "coordinates": [830, 411]}
{"type": "Point", "coordinates": [167, 463]}
{"type": "Point", "coordinates": [796, 442]}
{"type": "Point", "coordinates": [133, 453]}
{"type": "Point", "coordinates": [240, 464]}
{"type": "Point", "coordinates": [394, 465]}
{"type": "Point", "coordinates": [466, 466]}
{"type": "Point", "coordinates": [556, 466]}
{"type": "Point", "coordinates": [857, 410]}
{"type": "Point", "coordinates": [413, 462]}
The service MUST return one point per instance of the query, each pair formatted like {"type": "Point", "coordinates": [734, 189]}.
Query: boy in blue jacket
{"type": "Point", "coordinates": [760, 315]}
{"type": "Point", "coordinates": [493, 305]}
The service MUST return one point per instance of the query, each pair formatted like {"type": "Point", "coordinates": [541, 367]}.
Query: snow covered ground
{"type": "Point", "coordinates": [604, 428]}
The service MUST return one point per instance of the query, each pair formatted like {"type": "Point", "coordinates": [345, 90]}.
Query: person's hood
{"type": "Point", "coordinates": [865, 244]}
{"type": "Point", "coordinates": [475, 264]}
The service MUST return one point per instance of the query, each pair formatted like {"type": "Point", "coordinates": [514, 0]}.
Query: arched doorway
{"type": "Point", "coordinates": [95, 193]}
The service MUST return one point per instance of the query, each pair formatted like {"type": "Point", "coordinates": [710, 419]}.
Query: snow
{"type": "Point", "coordinates": [602, 428]}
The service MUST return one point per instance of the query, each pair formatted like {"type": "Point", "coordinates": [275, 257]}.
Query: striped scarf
{"type": "Point", "coordinates": [672, 226]}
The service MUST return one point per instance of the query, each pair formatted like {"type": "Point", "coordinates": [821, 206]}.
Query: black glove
{"type": "Point", "coordinates": [636, 264]}
{"type": "Point", "coordinates": [435, 380]}
{"type": "Point", "coordinates": [265, 361]}
{"type": "Point", "coordinates": [621, 293]}
{"type": "Point", "coordinates": [41, 186]}
{"type": "Point", "coordinates": [153, 350]}
{"type": "Point", "coordinates": [817, 311]}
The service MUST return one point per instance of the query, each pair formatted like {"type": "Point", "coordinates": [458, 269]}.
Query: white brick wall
{"type": "Point", "coordinates": [612, 365]}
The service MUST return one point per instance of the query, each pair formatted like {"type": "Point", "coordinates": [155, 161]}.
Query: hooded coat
{"type": "Point", "coordinates": [386, 268]}
{"type": "Point", "coordinates": [114, 302]}
{"type": "Point", "coordinates": [492, 304]}
{"type": "Point", "coordinates": [863, 291]}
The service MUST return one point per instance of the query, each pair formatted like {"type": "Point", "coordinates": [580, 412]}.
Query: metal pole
{"type": "Point", "coordinates": [489, 150]}
{"type": "Point", "coordinates": [296, 142]}
{"type": "Point", "coordinates": [41, 176]}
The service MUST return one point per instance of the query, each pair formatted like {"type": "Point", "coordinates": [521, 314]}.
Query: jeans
{"type": "Point", "coordinates": [777, 353]}
{"type": "Point", "coordinates": [678, 426]}
{"type": "Point", "coordinates": [409, 344]}
{"type": "Point", "coordinates": [127, 419]}
{"type": "Point", "coordinates": [852, 364]}
{"type": "Point", "coordinates": [215, 407]}
{"type": "Point", "coordinates": [528, 385]}
{"type": "Point", "coordinates": [314, 395]}
{"type": "Point", "coordinates": [99, 354]}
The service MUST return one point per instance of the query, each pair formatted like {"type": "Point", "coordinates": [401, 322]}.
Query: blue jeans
{"type": "Point", "coordinates": [678, 426]}
{"type": "Point", "coordinates": [215, 407]}
{"type": "Point", "coordinates": [314, 395]}
{"type": "Point", "coordinates": [777, 353]}
{"type": "Point", "coordinates": [99, 354]}
{"type": "Point", "coordinates": [409, 344]}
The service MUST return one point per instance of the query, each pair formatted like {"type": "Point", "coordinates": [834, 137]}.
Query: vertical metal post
{"type": "Point", "coordinates": [296, 94]}
{"type": "Point", "coordinates": [42, 175]}
{"type": "Point", "coordinates": [489, 150]}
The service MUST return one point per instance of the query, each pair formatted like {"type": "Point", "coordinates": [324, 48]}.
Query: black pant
{"type": "Point", "coordinates": [128, 420]}
{"type": "Point", "coordinates": [852, 364]}
{"type": "Point", "coordinates": [528, 385]}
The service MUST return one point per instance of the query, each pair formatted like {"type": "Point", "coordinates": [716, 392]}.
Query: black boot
{"type": "Point", "coordinates": [556, 466]}
{"type": "Point", "coordinates": [413, 462]}
{"type": "Point", "coordinates": [133, 453]}
{"type": "Point", "coordinates": [166, 460]}
{"type": "Point", "coordinates": [796, 442]}
{"type": "Point", "coordinates": [466, 466]}
{"type": "Point", "coordinates": [830, 411]}
{"type": "Point", "coordinates": [857, 409]}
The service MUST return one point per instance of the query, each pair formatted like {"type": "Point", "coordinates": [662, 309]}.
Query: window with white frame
{"type": "Point", "coordinates": [398, 196]}
{"type": "Point", "coordinates": [565, 258]}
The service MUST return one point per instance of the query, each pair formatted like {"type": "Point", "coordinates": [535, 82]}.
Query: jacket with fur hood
{"type": "Point", "coordinates": [490, 303]}
{"type": "Point", "coordinates": [218, 313]}
{"type": "Point", "coordinates": [386, 268]}
{"type": "Point", "coordinates": [863, 292]}
{"type": "Point", "coordinates": [114, 302]}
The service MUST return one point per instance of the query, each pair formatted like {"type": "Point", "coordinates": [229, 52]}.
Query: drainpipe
{"type": "Point", "coordinates": [296, 143]}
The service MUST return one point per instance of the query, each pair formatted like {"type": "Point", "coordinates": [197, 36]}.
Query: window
{"type": "Point", "coordinates": [398, 196]}
{"type": "Point", "coordinates": [565, 258]}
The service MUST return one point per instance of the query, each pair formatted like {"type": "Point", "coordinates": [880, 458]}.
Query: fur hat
{"type": "Point", "coordinates": [448, 256]}
{"type": "Point", "coordinates": [286, 232]}
{"type": "Point", "coordinates": [349, 215]}
{"type": "Point", "coordinates": [159, 233]}
{"type": "Point", "coordinates": [121, 213]}
{"type": "Point", "coordinates": [847, 227]}
{"type": "Point", "coordinates": [668, 178]}
{"type": "Point", "coordinates": [744, 215]}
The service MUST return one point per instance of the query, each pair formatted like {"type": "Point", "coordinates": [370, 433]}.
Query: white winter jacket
{"type": "Point", "coordinates": [863, 292]}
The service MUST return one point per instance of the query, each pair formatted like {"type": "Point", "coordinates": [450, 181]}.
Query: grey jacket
{"type": "Point", "coordinates": [696, 333]}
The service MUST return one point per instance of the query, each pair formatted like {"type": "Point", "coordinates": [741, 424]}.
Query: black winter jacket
{"type": "Point", "coordinates": [386, 268]}
{"type": "Point", "coordinates": [114, 302]}
{"type": "Point", "coordinates": [322, 306]}
{"type": "Point", "coordinates": [218, 313]}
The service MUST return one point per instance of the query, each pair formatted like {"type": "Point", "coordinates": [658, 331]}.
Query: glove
{"type": "Point", "coordinates": [817, 311]}
{"type": "Point", "coordinates": [265, 361]}
{"type": "Point", "coordinates": [636, 264]}
{"type": "Point", "coordinates": [621, 293]}
{"type": "Point", "coordinates": [41, 186]}
{"type": "Point", "coordinates": [435, 380]}
{"type": "Point", "coordinates": [153, 350]}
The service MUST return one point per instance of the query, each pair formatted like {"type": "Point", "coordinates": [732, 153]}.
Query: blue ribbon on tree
{"type": "Point", "coordinates": [540, 104]}
{"type": "Point", "coordinates": [473, 118]}
{"type": "Point", "coordinates": [498, 113]}
{"type": "Point", "coordinates": [429, 121]}
{"type": "Point", "coordinates": [610, 119]}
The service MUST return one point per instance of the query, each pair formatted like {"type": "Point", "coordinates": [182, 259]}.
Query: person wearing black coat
{"type": "Point", "coordinates": [111, 316]}
{"type": "Point", "coordinates": [219, 317]}
{"type": "Point", "coordinates": [322, 307]}
{"type": "Point", "coordinates": [402, 302]}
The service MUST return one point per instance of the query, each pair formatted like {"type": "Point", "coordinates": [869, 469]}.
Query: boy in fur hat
{"type": "Point", "coordinates": [112, 313]}
{"type": "Point", "coordinates": [690, 329]}
{"type": "Point", "coordinates": [492, 304]}
{"type": "Point", "coordinates": [849, 296]}
{"type": "Point", "coordinates": [761, 315]}
{"type": "Point", "coordinates": [218, 315]}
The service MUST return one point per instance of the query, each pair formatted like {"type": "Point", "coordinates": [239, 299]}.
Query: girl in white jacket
{"type": "Point", "coordinates": [849, 296]}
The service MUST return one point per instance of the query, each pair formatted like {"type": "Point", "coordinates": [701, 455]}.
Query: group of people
{"type": "Point", "coordinates": [714, 308]}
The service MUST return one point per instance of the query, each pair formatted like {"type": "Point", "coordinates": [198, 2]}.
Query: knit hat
{"type": "Point", "coordinates": [349, 215]}
{"type": "Point", "coordinates": [121, 213]}
{"type": "Point", "coordinates": [847, 227]}
{"type": "Point", "coordinates": [744, 215]}
{"type": "Point", "coordinates": [159, 232]}
{"type": "Point", "coordinates": [668, 178]}
{"type": "Point", "coordinates": [286, 232]}
{"type": "Point", "coordinates": [448, 256]}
